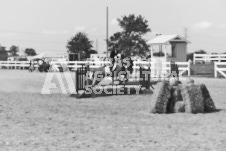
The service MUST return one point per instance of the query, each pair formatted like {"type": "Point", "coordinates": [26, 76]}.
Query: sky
{"type": "Point", "coordinates": [47, 25]}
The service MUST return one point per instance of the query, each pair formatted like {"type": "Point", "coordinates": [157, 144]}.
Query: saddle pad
{"type": "Point", "coordinates": [107, 69]}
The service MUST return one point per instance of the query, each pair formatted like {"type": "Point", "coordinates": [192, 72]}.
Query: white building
{"type": "Point", "coordinates": [97, 57]}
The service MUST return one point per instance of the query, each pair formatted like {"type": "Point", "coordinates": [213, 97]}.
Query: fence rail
{"type": "Point", "coordinates": [14, 64]}
{"type": "Point", "coordinates": [208, 58]}
{"type": "Point", "coordinates": [221, 68]}
{"type": "Point", "coordinates": [155, 67]}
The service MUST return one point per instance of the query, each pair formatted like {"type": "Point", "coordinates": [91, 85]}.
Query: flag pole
{"type": "Point", "coordinates": [107, 32]}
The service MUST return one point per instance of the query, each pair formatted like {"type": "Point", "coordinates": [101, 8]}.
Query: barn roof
{"type": "Point", "coordinates": [46, 55]}
{"type": "Point", "coordinates": [165, 39]}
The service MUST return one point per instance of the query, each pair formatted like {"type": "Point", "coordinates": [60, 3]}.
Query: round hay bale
{"type": "Point", "coordinates": [190, 81]}
{"type": "Point", "coordinates": [160, 98]}
{"type": "Point", "coordinates": [175, 97]}
{"type": "Point", "coordinates": [179, 107]}
{"type": "Point", "coordinates": [193, 99]}
{"type": "Point", "coordinates": [173, 81]}
{"type": "Point", "coordinates": [209, 105]}
{"type": "Point", "coordinates": [146, 91]}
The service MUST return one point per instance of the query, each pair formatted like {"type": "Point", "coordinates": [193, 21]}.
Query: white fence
{"type": "Point", "coordinates": [184, 67]}
{"type": "Point", "coordinates": [163, 67]}
{"type": "Point", "coordinates": [208, 58]}
{"type": "Point", "coordinates": [14, 64]}
{"type": "Point", "coordinates": [221, 68]}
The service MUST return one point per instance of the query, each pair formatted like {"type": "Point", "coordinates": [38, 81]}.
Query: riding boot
{"type": "Point", "coordinates": [113, 67]}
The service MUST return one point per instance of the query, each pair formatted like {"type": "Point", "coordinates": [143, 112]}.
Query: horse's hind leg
{"type": "Point", "coordinates": [96, 81]}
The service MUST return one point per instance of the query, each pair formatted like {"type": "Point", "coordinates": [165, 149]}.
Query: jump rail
{"type": "Point", "coordinates": [82, 82]}
{"type": "Point", "coordinates": [219, 67]}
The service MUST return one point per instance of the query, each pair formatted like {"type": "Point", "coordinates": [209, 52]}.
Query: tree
{"type": "Point", "coordinates": [81, 44]}
{"type": "Point", "coordinates": [134, 24]}
{"type": "Point", "coordinates": [3, 53]}
{"type": "Point", "coordinates": [13, 50]}
{"type": "Point", "coordinates": [191, 55]}
{"type": "Point", "coordinates": [200, 52]}
{"type": "Point", "coordinates": [130, 41]}
{"type": "Point", "coordinates": [30, 52]}
{"type": "Point", "coordinates": [91, 52]}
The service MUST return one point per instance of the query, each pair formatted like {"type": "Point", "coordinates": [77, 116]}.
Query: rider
{"type": "Point", "coordinates": [113, 56]}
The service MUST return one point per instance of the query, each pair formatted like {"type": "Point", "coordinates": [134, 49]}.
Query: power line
{"type": "Point", "coordinates": [38, 33]}
{"type": "Point", "coordinates": [33, 41]}
{"type": "Point", "coordinates": [39, 41]}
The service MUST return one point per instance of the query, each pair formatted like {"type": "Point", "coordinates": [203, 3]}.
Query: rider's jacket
{"type": "Point", "coordinates": [113, 54]}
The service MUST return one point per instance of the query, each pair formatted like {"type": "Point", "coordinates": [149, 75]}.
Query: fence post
{"type": "Point", "coordinates": [76, 80]}
{"type": "Point", "coordinates": [149, 77]}
{"type": "Point", "coordinates": [205, 56]}
{"type": "Point", "coordinates": [189, 69]}
{"type": "Point", "coordinates": [74, 65]}
{"type": "Point", "coordinates": [140, 76]}
{"type": "Point", "coordinates": [194, 58]}
{"type": "Point", "coordinates": [215, 70]}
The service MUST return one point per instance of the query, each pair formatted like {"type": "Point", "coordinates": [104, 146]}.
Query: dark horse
{"type": "Point", "coordinates": [124, 66]}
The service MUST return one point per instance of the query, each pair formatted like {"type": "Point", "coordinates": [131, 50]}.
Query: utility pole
{"type": "Point", "coordinates": [107, 32]}
{"type": "Point", "coordinates": [186, 37]}
{"type": "Point", "coordinates": [186, 33]}
{"type": "Point", "coordinates": [97, 45]}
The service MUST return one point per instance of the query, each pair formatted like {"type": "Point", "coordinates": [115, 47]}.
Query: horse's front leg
{"type": "Point", "coordinates": [123, 77]}
{"type": "Point", "coordinates": [95, 82]}
{"type": "Point", "coordinates": [127, 76]}
{"type": "Point", "coordinates": [97, 79]}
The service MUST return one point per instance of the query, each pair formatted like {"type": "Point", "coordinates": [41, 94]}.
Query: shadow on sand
{"type": "Point", "coordinates": [215, 111]}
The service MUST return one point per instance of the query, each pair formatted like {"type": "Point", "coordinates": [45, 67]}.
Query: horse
{"type": "Point", "coordinates": [123, 66]}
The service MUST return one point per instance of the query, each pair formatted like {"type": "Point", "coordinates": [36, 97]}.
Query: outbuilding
{"type": "Point", "coordinates": [174, 48]}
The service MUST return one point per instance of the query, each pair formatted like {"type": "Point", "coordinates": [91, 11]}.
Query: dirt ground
{"type": "Point", "coordinates": [33, 121]}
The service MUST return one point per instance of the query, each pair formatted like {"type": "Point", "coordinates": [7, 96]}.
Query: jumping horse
{"type": "Point", "coordinates": [122, 67]}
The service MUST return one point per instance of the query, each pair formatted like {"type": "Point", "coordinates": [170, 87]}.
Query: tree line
{"type": "Point", "coordinates": [13, 52]}
{"type": "Point", "coordinates": [128, 41]}
{"type": "Point", "coordinates": [191, 55]}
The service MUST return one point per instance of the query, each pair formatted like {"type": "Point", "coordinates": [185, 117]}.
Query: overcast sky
{"type": "Point", "coordinates": [47, 25]}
